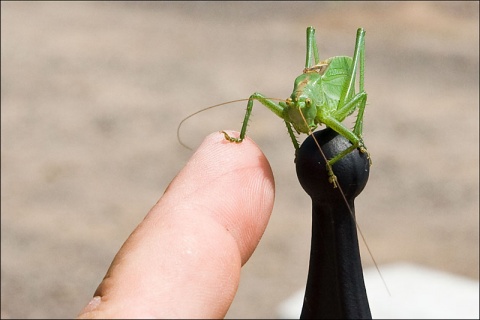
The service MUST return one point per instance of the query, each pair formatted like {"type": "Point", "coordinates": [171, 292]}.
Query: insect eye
{"type": "Point", "coordinates": [308, 102]}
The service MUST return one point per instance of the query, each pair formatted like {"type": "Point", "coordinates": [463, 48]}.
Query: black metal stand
{"type": "Point", "coordinates": [335, 285]}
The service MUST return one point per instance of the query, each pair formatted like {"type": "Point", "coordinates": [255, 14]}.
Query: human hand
{"type": "Point", "coordinates": [184, 259]}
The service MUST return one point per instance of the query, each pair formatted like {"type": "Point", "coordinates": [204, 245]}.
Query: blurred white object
{"type": "Point", "coordinates": [416, 292]}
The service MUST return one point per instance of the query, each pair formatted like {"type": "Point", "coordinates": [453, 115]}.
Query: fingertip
{"type": "Point", "coordinates": [184, 258]}
{"type": "Point", "coordinates": [235, 181]}
{"type": "Point", "coordinates": [89, 311]}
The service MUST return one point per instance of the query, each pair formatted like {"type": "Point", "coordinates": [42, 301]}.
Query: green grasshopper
{"type": "Point", "coordinates": [323, 94]}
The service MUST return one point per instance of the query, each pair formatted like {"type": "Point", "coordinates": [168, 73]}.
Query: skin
{"type": "Point", "coordinates": [184, 259]}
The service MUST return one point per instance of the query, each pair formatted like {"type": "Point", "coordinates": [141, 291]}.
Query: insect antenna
{"type": "Point", "coordinates": [205, 109]}
{"type": "Point", "coordinates": [348, 206]}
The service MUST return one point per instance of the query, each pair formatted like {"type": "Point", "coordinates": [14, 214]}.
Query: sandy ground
{"type": "Point", "coordinates": [92, 94]}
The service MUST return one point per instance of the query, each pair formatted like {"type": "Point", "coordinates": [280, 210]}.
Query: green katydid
{"type": "Point", "coordinates": [323, 94]}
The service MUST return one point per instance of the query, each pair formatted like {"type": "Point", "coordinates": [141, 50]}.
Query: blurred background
{"type": "Point", "coordinates": [92, 93]}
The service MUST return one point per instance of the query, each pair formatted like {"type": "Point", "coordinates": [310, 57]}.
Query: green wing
{"type": "Point", "coordinates": [335, 79]}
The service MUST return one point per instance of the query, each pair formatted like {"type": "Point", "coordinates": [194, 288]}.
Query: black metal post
{"type": "Point", "coordinates": [335, 285]}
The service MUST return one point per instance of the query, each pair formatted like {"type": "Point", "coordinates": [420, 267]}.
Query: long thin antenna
{"type": "Point", "coordinates": [348, 206]}
{"type": "Point", "coordinates": [207, 108]}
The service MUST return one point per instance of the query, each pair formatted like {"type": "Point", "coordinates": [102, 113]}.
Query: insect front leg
{"type": "Point", "coordinates": [274, 107]}
{"type": "Point", "coordinates": [333, 122]}
{"type": "Point", "coordinates": [358, 128]}
{"type": "Point", "coordinates": [292, 135]}
{"type": "Point", "coordinates": [355, 136]}
{"type": "Point", "coordinates": [358, 101]}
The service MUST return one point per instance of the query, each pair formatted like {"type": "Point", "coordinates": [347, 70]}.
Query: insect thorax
{"type": "Point", "coordinates": [300, 108]}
